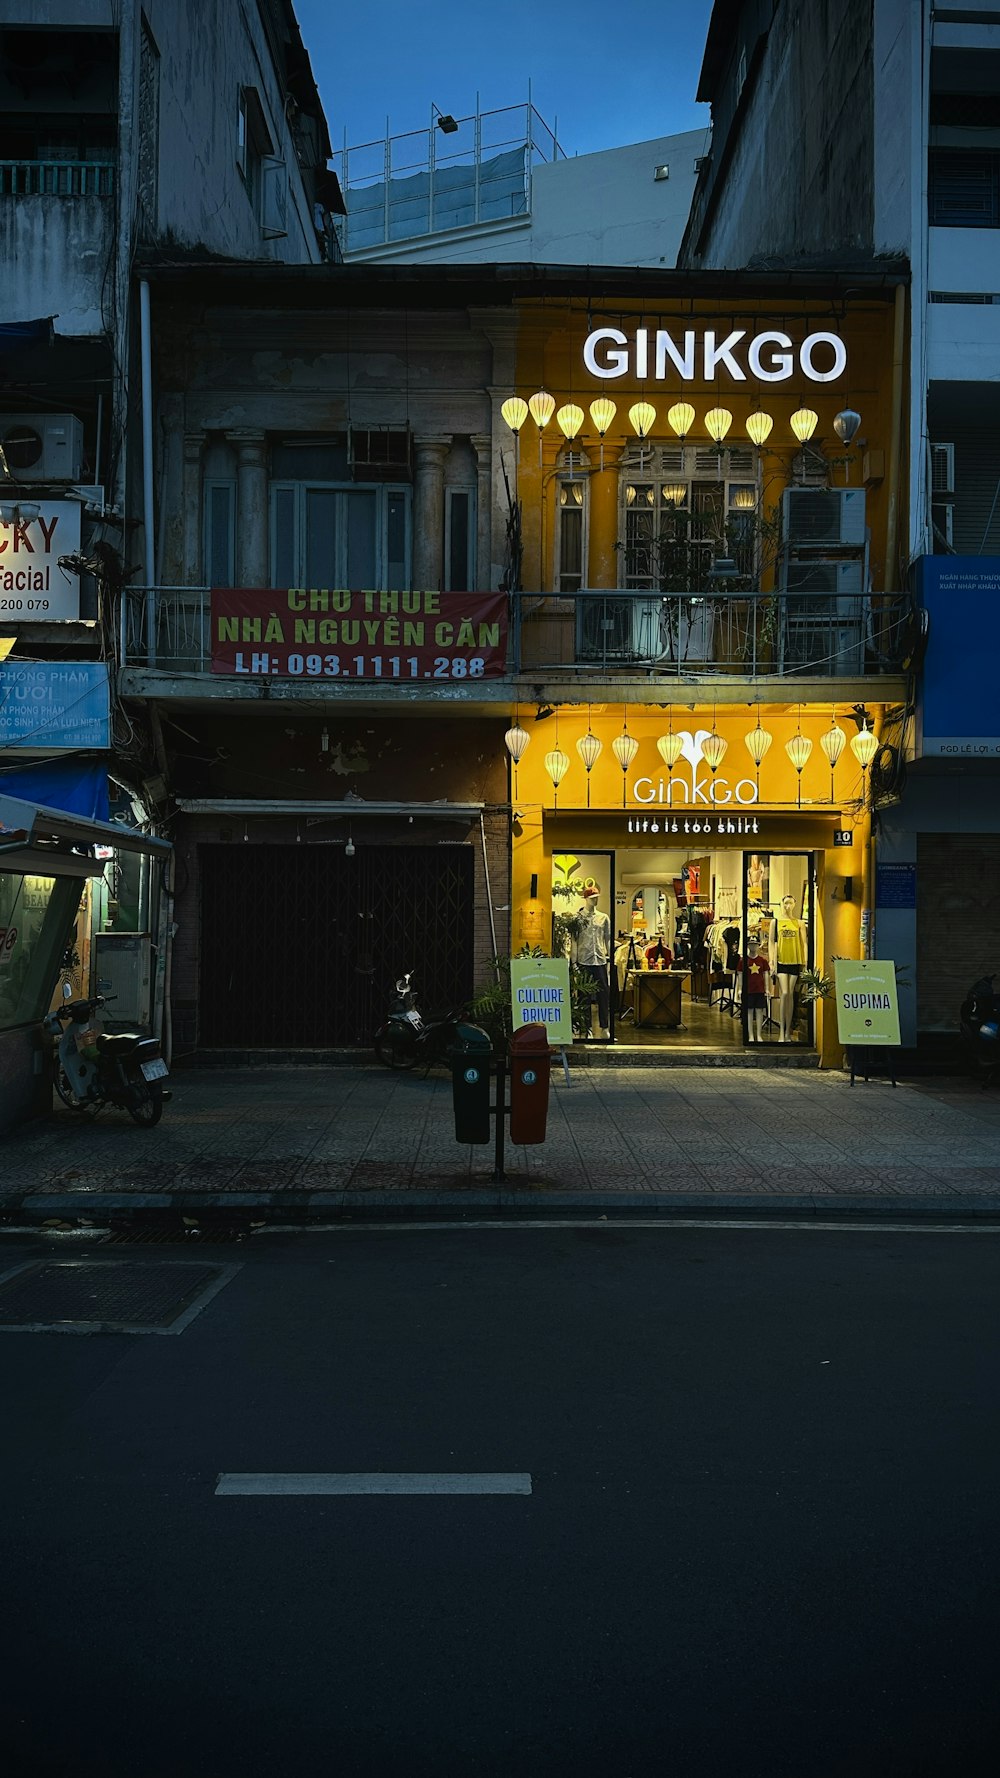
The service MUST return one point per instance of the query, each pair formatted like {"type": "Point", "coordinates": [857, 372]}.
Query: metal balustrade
{"type": "Point", "coordinates": [643, 634]}
{"type": "Point", "coordinates": [57, 179]}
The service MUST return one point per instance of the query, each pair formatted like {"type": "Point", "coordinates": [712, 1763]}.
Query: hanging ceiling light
{"type": "Point", "coordinates": [757, 743]}
{"type": "Point", "coordinates": [670, 747]}
{"type": "Point", "coordinates": [744, 500]}
{"type": "Point", "coordinates": [845, 424]}
{"type": "Point", "coordinates": [589, 748]}
{"type": "Point", "coordinates": [642, 418]}
{"type": "Point", "coordinates": [759, 428]}
{"type": "Point", "coordinates": [833, 742]}
{"type": "Point", "coordinates": [680, 418]}
{"type": "Point", "coordinates": [717, 423]}
{"type": "Point", "coordinates": [569, 419]}
{"type": "Point", "coordinates": [516, 740]}
{"type": "Point", "coordinates": [557, 764]}
{"type": "Point", "coordinates": [798, 750]}
{"type": "Point", "coordinates": [864, 747]}
{"type": "Point", "coordinates": [602, 412]}
{"type": "Point", "coordinates": [713, 751]}
{"type": "Point", "coordinates": [515, 412]}
{"type": "Point", "coordinates": [624, 747]}
{"type": "Point", "coordinates": [541, 407]}
{"type": "Point", "coordinates": [675, 493]}
{"type": "Point", "coordinates": [803, 423]}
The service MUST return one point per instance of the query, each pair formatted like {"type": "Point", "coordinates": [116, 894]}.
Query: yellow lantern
{"type": "Point", "coordinates": [515, 412]}
{"type": "Point", "coordinates": [759, 429]}
{"type": "Point", "coordinates": [569, 419]}
{"type": "Point", "coordinates": [680, 418]}
{"type": "Point", "coordinates": [670, 747]}
{"type": "Point", "coordinates": [557, 764]}
{"type": "Point", "coordinates": [803, 423]}
{"type": "Point", "coordinates": [744, 500]}
{"type": "Point", "coordinates": [602, 412]}
{"type": "Point", "coordinates": [798, 750]}
{"type": "Point", "coordinates": [624, 747]}
{"type": "Point", "coordinates": [642, 418]}
{"type": "Point", "coordinates": [717, 423]}
{"type": "Point", "coordinates": [541, 407]}
{"type": "Point", "coordinates": [864, 747]}
{"type": "Point", "coordinates": [589, 748]}
{"type": "Point", "coordinates": [713, 751]}
{"type": "Point", "coordinates": [516, 740]}
{"type": "Point", "coordinates": [757, 743]}
{"type": "Point", "coordinates": [675, 493]}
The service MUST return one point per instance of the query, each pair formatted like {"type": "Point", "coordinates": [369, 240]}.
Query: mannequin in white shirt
{"type": "Point", "coordinates": [592, 951]}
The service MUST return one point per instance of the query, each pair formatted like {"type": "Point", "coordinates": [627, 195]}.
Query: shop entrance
{"type": "Point", "coordinates": [300, 945]}
{"type": "Point", "coordinates": [706, 949]}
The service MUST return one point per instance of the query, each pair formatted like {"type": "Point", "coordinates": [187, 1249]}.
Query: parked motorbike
{"type": "Point", "coordinates": [979, 1023]}
{"type": "Point", "coordinates": [406, 1038]}
{"type": "Point", "coordinates": [92, 1068]}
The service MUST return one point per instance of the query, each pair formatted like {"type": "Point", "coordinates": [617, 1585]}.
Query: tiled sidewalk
{"type": "Point", "coordinates": [360, 1137]}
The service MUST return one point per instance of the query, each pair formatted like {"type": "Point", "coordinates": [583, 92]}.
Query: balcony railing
{"type": "Point", "coordinates": [57, 179]}
{"type": "Point", "coordinates": [622, 634]}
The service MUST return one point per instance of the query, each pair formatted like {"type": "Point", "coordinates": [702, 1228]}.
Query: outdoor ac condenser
{"type": "Point", "coordinates": [831, 516]}
{"type": "Point", "coordinates": [42, 447]}
{"type": "Point", "coordinates": [123, 967]}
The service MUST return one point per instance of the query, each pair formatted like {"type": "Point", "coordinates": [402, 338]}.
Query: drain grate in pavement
{"type": "Point", "coordinates": [127, 1296]}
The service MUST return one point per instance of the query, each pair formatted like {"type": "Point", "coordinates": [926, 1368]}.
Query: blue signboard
{"type": "Point", "coordinates": [49, 705]}
{"type": "Point", "coordinates": [960, 706]}
{"type": "Point", "coordinates": [896, 885]}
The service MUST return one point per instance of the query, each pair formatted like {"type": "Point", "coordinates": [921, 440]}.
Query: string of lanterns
{"type": "Point", "coordinates": [864, 745]}
{"type": "Point", "coordinates": [680, 418]}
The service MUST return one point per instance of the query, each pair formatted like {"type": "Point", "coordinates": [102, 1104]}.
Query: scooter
{"type": "Point", "coordinates": [92, 1068]}
{"type": "Point", "coordinates": [979, 1023]}
{"type": "Point", "coordinates": [406, 1038]}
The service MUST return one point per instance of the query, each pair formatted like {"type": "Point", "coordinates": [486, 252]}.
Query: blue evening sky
{"type": "Point", "coordinates": [610, 74]}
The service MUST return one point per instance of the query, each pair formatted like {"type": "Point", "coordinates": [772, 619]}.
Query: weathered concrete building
{"type": "Point", "coordinates": [844, 132]}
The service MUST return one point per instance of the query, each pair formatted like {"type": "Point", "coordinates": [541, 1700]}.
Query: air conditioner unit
{"type": "Point", "coordinates": [604, 629]}
{"type": "Point", "coordinates": [42, 447]}
{"type": "Point", "coordinates": [822, 577]}
{"type": "Point", "coordinates": [831, 516]}
{"type": "Point", "coordinates": [942, 470]}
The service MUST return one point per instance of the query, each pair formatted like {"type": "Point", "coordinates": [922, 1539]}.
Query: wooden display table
{"type": "Point", "coordinates": [656, 998]}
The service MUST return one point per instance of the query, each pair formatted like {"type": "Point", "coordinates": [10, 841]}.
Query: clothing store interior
{"type": "Point", "coordinates": [689, 950]}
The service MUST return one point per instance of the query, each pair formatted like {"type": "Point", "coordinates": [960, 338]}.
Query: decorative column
{"type": "Point", "coordinates": [428, 512]}
{"type": "Point", "coordinates": [251, 507]}
{"type": "Point", "coordinates": [192, 507]}
{"type": "Point", "coordinates": [482, 444]}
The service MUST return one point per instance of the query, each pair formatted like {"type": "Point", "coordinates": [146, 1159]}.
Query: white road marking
{"type": "Point", "coordinates": [377, 1482]}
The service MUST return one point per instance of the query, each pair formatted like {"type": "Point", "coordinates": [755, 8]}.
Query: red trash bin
{"type": "Point", "coordinates": [529, 1084]}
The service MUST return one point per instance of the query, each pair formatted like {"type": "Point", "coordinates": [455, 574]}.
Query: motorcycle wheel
{"type": "Point", "coordinates": [145, 1107]}
{"type": "Point", "coordinates": [65, 1091]}
{"type": "Point", "coordinates": [395, 1049]}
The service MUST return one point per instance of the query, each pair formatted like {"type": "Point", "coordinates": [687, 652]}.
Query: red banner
{"type": "Point", "coordinates": [318, 633]}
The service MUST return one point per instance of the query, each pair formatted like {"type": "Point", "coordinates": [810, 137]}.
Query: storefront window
{"type": "Point", "coordinates": [35, 925]}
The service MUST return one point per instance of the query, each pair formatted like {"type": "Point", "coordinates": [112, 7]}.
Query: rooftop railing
{"type": "Point", "coordinates": [645, 635]}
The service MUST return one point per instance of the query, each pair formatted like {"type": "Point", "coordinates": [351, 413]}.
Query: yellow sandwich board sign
{"type": "Point", "coordinates": [539, 995]}
{"type": "Point", "coordinates": [867, 1001]}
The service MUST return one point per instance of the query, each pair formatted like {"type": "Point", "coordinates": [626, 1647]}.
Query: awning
{"type": "Point", "coordinates": [77, 786]}
{"type": "Point", "coordinates": [237, 805]}
{"type": "Point", "coordinates": [52, 842]}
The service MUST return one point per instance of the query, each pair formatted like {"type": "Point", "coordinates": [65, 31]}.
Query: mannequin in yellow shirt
{"type": "Point", "coordinates": [788, 951]}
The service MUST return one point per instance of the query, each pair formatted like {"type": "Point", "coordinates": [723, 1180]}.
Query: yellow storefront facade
{"type": "Point", "coordinates": [698, 749]}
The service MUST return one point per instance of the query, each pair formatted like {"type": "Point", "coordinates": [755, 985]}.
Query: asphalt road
{"type": "Point", "coordinates": [763, 1534]}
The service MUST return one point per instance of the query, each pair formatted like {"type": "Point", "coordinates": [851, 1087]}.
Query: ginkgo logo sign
{"type": "Point", "coordinates": [702, 789]}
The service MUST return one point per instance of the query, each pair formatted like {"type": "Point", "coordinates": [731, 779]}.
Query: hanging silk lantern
{"type": "Point", "coordinates": [713, 751]}
{"type": "Point", "coordinates": [515, 412]}
{"type": "Point", "coordinates": [680, 418]}
{"type": "Point", "coordinates": [590, 749]}
{"type": "Point", "coordinates": [516, 740]}
{"type": "Point", "coordinates": [717, 423]}
{"type": "Point", "coordinates": [541, 407]}
{"type": "Point", "coordinates": [864, 747]}
{"type": "Point", "coordinates": [804, 423]}
{"type": "Point", "coordinates": [569, 419]}
{"type": "Point", "coordinates": [759, 428]}
{"type": "Point", "coordinates": [670, 747]}
{"type": "Point", "coordinates": [642, 418]}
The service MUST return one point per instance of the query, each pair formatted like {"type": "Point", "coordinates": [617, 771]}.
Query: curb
{"type": "Point", "coordinates": [524, 1203]}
